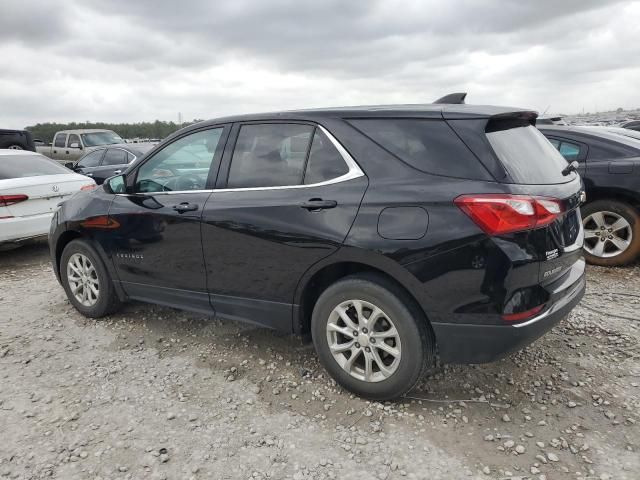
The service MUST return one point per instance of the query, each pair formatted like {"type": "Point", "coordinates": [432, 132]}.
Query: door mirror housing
{"type": "Point", "coordinates": [116, 184]}
{"type": "Point", "coordinates": [75, 145]}
{"type": "Point", "coordinates": [69, 165]}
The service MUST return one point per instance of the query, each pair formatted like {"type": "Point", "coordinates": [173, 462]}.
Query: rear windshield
{"type": "Point", "coordinates": [427, 145]}
{"type": "Point", "coordinates": [528, 156]}
{"type": "Point", "coordinates": [20, 166]}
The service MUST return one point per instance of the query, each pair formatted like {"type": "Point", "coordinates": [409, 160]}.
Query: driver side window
{"type": "Point", "coordinates": [181, 165]}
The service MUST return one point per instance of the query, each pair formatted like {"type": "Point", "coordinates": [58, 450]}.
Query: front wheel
{"type": "Point", "coordinates": [86, 280]}
{"type": "Point", "coordinates": [611, 233]}
{"type": "Point", "coordinates": [372, 338]}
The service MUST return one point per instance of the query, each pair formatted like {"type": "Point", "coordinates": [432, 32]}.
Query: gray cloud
{"type": "Point", "coordinates": [122, 60]}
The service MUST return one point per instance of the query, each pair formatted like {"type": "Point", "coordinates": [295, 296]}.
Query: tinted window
{"type": "Point", "coordinates": [428, 145]}
{"type": "Point", "coordinates": [73, 139]}
{"type": "Point", "coordinates": [114, 156]}
{"type": "Point", "coordinates": [269, 155]}
{"type": "Point", "coordinates": [601, 150]}
{"type": "Point", "coordinates": [19, 166]}
{"type": "Point", "coordinates": [60, 140]}
{"type": "Point", "coordinates": [181, 165]}
{"type": "Point", "coordinates": [91, 159]}
{"type": "Point", "coordinates": [570, 151]}
{"type": "Point", "coordinates": [96, 139]}
{"type": "Point", "coordinates": [528, 156]}
{"type": "Point", "coordinates": [130, 157]}
{"type": "Point", "coordinates": [325, 162]}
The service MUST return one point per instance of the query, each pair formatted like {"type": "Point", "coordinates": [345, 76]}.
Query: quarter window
{"type": "Point", "coordinates": [182, 165]}
{"type": "Point", "coordinates": [114, 156]}
{"type": "Point", "coordinates": [60, 140]}
{"type": "Point", "coordinates": [91, 159]}
{"type": "Point", "coordinates": [269, 155]}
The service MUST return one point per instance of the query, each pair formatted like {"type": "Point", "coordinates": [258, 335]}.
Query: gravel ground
{"type": "Point", "coordinates": [157, 393]}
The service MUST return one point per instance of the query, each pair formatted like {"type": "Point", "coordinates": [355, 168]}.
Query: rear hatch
{"type": "Point", "coordinates": [533, 168]}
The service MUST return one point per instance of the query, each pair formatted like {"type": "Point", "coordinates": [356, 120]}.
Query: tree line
{"type": "Point", "coordinates": [158, 129]}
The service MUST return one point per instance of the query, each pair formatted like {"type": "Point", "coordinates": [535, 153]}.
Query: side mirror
{"type": "Point", "coordinates": [75, 145]}
{"type": "Point", "coordinates": [69, 165]}
{"type": "Point", "coordinates": [116, 184]}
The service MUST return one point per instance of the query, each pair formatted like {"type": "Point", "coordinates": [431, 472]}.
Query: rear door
{"type": "Point", "coordinates": [156, 247]}
{"type": "Point", "coordinates": [288, 195]}
{"type": "Point", "coordinates": [114, 162]}
{"type": "Point", "coordinates": [90, 162]}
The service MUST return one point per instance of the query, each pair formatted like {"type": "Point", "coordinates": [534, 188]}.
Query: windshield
{"type": "Point", "coordinates": [96, 139]}
{"type": "Point", "coordinates": [20, 166]}
{"type": "Point", "coordinates": [528, 156]}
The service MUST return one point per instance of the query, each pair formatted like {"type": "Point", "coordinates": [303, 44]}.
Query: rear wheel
{"type": "Point", "coordinates": [611, 233]}
{"type": "Point", "coordinates": [86, 280]}
{"type": "Point", "coordinates": [371, 337]}
{"type": "Point", "coordinates": [15, 146]}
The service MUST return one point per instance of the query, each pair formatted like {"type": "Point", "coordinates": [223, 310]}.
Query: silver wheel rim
{"type": "Point", "coordinates": [363, 340]}
{"type": "Point", "coordinates": [15, 147]}
{"type": "Point", "coordinates": [83, 279]}
{"type": "Point", "coordinates": [606, 234]}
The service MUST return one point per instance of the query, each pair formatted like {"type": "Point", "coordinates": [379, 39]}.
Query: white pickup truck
{"type": "Point", "coordinates": [69, 145]}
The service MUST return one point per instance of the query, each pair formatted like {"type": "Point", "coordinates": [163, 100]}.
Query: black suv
{"type": "Point", "coordinates": [391, 234]}
{"type": "Point", "coordinates": [609, 164]}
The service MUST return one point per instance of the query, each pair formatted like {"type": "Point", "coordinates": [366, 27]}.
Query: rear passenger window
{"type": "Point", "coordinates": [60, 140]}
{"type": "Point", "coordinates": [325, 161]}
{"type": "Point", "coordinates": [269, 155]}
{"type": "Point", "coordinates": [570, 151]}
{"type": "Point", "coordinates": [428, 145]}
{"type": "Point", "coordinates": [114, 156]}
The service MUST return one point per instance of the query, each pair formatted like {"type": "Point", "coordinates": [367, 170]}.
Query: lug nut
{"type": "Point", "coordinates": [372, 340]}
{"type": "Point", "coordinates": [364, 330]}
{"type": "Point", "coordinates": [367, 349]}
{"type": "Point", "coordinates": [357, 345]}
{"type": "Point", "coordinates": [355, 333]}
{"type": "Point", "coordinates": [611, 236]}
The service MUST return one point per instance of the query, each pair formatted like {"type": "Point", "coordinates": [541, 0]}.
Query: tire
{"type": "Point", "coordinates": [15, 146]}
{"type": "Point", "coordinates": [608, 214]}
{"type": "Point", "coordinates": [414, 341]}
{"type": "Point", "coordinates": [95, 273]}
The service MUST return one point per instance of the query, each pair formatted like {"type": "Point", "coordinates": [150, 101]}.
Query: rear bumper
{"type": "Point", "coordinates": [18, 229]}
{"type": "Point", "coordinates": [465, 343]}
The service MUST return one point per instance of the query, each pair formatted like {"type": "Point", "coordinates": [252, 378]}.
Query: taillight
{"type": "Point", "coordinates": [498, 214]}
{"type": "Point", "coordinates": [6, 200]}
{"type": "Point", "coordinates": [88, 186]}
{"type": "Point", "coordinates": [517, 317]}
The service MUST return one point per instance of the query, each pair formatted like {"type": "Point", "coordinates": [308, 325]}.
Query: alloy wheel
{"type": "Point", "coordinates": [606, 234]}
{"type": "Point", "coordinates": [15, 147]}
{"type": "Point", "coordinates": [83, 279]}
{"type": "Point", "coordinates": [363, 340]}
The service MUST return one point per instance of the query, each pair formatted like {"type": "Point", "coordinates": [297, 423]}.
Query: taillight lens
{"type": "Point", "coordinates": [517, 317]}
{"type": "Point", "coordinates": [89, 186]}
{"type": "Point", "coordinates": [498, 214]}
{"type": "Point", "coordinates": [6, 200]}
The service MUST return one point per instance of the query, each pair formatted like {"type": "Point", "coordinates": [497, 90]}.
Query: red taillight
{"type": "Point", "coordinates": [6, 200]}
{"type": "Point", "coordinates": [498, 214]}
{"type": "Point", "coordinates": [516, 317]}
{"type": "Point", "coordinates": [89, 186]}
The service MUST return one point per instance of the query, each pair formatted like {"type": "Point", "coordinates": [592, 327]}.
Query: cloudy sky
{"type": "Point", "coordinates": [125, 60]}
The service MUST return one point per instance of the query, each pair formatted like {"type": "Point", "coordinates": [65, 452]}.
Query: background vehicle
{"type": "Point", "coordinates": [543, 120]}
{"type": "Point", "coordinates": [352, 224]}
{"type": "Point", "coordinates": [69, 145]}
{"type": "Point", "coordinates": [31, 186]}
{"type": "Point", "coordinates": [104, 162]}
{"type": "Point", "coordinates": [625, 132]}
{"type": "Point", "coordinates": [631, 125]}
{"type": "Point", "coordinates": [16, 140]}
{"type": "Point", "coordinates": [610, 167]}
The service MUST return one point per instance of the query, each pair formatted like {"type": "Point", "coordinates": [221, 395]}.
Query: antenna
{"type": "Point", "coordinates": [453, 98]}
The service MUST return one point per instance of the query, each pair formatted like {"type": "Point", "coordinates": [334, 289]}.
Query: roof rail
{"type": "Point", "coordinates": [453, 98]}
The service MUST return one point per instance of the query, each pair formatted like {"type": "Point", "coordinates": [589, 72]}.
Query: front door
{"type": "Point", "coordinates": [157, 247]}
{"type": "Point", "coordinates": [291, 197]}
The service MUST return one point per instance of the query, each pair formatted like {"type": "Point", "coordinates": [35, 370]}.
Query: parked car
{"type": "Point", "coordinates": [388, 233]}
{"type": "Point", "coordinates": [69, 145]}
{"type": "Point", "coordinates": [543, 120]}
{"type": "Point", "coordinates": [104, 162]}
{"type": "Point", "coordinates": [610, 167]}
{"type": "Point", "coordinates": [16, 140]}
{"type": "Point", "coordinates": [31, 186]}
{"type": "Point", "coordinates": [631, 124]}
{"type": "Point", "coordinates": [625, 132]}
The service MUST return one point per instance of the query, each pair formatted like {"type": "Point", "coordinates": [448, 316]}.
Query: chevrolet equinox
{"type": "Point", "coordinates": [391, 234]}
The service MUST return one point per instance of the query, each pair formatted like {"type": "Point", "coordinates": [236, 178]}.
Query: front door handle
{"type": "Point", "coordinates": [88, 174]}
{"type": "Point", "coordinates": [316, 204]}
{"type": "Point", "coordinates": [117, 172]}
{"type": "Point", "coordinates": [185, 207]}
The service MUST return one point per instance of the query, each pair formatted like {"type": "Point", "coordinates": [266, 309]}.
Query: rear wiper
{"type": "Point", "coordinates": [572, 167]}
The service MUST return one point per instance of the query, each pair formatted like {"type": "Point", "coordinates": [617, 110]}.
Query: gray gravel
{"type": "Point", "coordinates": [157, 393]}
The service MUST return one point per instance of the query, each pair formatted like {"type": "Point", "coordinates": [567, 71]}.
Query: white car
{"type": "Point", "coordinates": [31, 187]}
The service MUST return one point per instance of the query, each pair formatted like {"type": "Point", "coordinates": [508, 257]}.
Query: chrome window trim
{"type": "Point", "coordinates": [354, 172]}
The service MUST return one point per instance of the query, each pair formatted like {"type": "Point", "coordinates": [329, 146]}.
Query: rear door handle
{"type": "Point", "coordinates": [318, 204]}
{"type": "Point", "coordinates": [185, 207]}
{"type": "Point", "coordinates": [88, 174]}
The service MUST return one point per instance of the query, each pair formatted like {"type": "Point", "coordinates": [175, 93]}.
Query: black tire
{"type": "Point", "coordinates": [107, 299]}
{"type": "Point", "coordinates": [630, 214]}
{"type": "Point", "coordinates": [416, 337]}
